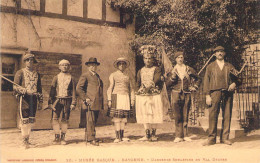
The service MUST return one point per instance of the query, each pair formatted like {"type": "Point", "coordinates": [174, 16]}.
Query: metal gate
{"type": "Point", "coordinates": [247, 95]}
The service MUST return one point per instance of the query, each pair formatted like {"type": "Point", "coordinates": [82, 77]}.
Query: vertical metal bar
{"type": "Point", "coordinates": [243, 99]}
{"type": "Point", "coordinates": [254, 79]}
{"type": "Point", "coordinates": [257, 93]}
{"type": "Point", "coordinates": [251, 80]}
{"type": "Point", "coordinates": [239, 107]}
{"type": "Point", "coordinates": [202, 112]}
{"type": "Point", "coordinates": [247, 88]}
{"type": "Point", "coordinates": [257, 76]}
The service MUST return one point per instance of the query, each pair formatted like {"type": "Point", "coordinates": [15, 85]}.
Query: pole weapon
{"type": "Point", "coordinates": [10, 81]}
{"type": "Point", "coordinates": [206, 64]}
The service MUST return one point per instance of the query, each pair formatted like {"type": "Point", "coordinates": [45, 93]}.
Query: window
{"type": "Point", "coordinates": [9, 68]}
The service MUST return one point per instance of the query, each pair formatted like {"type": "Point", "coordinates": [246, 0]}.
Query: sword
{"type": "Point", "coordinates": [53, 105]}
{"type": "Point", "coordinates": [20, 109]}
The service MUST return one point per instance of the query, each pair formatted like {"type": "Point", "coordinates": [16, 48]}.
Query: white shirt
{"type": "Point", "coordinates": [181, 69]}
{"type": "Point", "coordinates": [63, 84]}
{"type": "Point", "coordinates": [92, 72]}
{"type": "Point", "coordinates": [220, 64]}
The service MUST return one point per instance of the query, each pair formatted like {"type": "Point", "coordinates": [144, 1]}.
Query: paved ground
{"type": "Point", "coordinates": [244, 149]}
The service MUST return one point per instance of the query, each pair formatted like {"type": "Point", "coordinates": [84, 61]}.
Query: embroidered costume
{"type": "Point", "coordinates": [30, 95]}
{"type": "Point", "coordinates": [62, 98]}
{"type": "Point", "coordinates": [149, 106]}
{"type": "Point", "coordinates": [149, 103]}
{"type": "Point", "coordinates": [31, 81]}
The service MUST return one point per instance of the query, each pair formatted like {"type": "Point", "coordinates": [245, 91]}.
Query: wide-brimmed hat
{"type": "Point", "coordinates": [29, 55]}
{"type": "Point", "coordinates": [92, 60]}
{"type": "Point", "coordinates": [177, 54]}
{"type": "Point", "coordinates": [121, 59]}
{"type": "Point", "coordinates": [219, 48]}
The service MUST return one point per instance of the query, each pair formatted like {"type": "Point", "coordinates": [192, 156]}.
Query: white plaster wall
{"type": "Point", "coordinates": [53, 6]}
{"type": "Point", "coordinates": [75, 8]}
{"type": "Point", "coordinates": [63, 36]}
{"type": "Point", "coordinates": [95, 9]}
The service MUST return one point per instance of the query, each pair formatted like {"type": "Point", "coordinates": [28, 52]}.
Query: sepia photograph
{"type": "Point", "coordinates": [129, 81]}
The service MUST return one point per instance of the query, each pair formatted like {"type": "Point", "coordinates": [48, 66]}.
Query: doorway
{"type": "Point", "coordinates": [10, 65]}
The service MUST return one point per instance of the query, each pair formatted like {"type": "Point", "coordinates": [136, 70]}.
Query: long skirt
{"type": "Point", "coordinates": [149, 109]}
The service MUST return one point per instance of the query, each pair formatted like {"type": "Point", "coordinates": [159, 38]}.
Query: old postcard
{"type": "Point", "coordinates": [129, 81]}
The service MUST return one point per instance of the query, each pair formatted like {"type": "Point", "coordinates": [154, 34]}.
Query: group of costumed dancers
{"type": "Point", "coordinates": [125, 96]}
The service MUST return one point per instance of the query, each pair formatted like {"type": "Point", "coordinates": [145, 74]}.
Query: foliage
{"type": "Point", "coordinates": [193, 26]}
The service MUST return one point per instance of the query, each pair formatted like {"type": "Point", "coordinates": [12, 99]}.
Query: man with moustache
{"type": "Point", "coordinates": [90, 91]}
{"type": "Point", "coordinates": [219, 86]}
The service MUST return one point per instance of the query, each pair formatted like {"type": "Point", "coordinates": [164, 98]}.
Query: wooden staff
{"type": "Point", "coordinates": [205, 64]}
{"type": "Point", "coordinates": [10, 81]}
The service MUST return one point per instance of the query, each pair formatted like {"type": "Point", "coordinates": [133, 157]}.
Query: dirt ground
{"type": "Point", "coordinates": [244, 149]}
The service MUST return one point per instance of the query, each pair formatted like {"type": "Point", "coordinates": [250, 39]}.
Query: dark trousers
{"type": "Point", "coordinates": [29, 108]}
{"type": "Point", "coordinates": [62, 108]}
{"type": "Point", "coordinates": [181, 105]}
{"type": "Point", "coordinates": [223, 100]}
{"type": "Point", "coordinates": [91, 120]}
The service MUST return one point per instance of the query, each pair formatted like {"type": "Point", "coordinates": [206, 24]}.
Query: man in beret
{"type": "Point", "coordinates": [30, 95]}
{"type": "Point", "coordinates": [90, 91]}
{"type": "Point", "coordinates": [62, 100]}
{"type": "Point", "coordinates": [182, 80]}
{"type": "Point", "coordinates": [219, 86]}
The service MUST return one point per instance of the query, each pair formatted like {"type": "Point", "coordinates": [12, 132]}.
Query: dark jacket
{"type": "Point", "coordinates": [216, 79]}
{"type": "Point", "coordinates": [157, 78]}
{"type": "Point", "coordinates": [91, 86]}
{"type": "Point", "coordinates": [71, 90]}
{"type": "Point", "coordinates": [174, 82]}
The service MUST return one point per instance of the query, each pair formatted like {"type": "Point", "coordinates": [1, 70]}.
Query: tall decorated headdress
{"type": "Point", "coordinates": [148, 49]}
